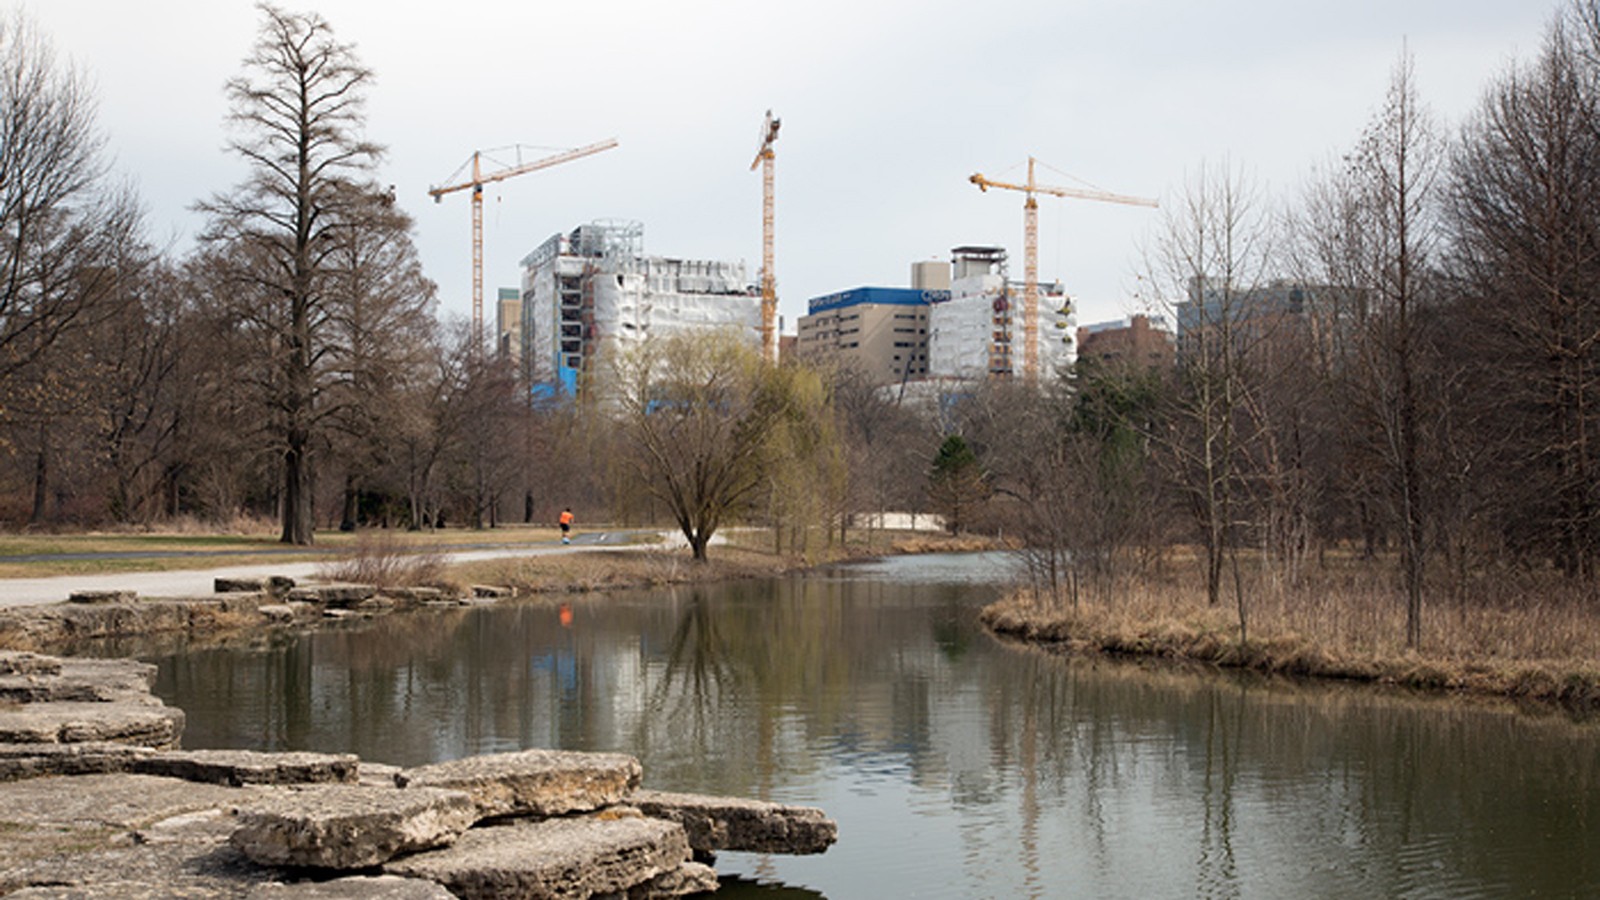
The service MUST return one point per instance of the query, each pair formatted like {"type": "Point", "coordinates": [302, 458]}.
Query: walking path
{"type": "Point", "coordinates": [197, 582]}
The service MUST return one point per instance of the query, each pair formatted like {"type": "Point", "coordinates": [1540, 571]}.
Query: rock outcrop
{"type": "Point", "coordinates": [751, 826]}
{"type": "Point", "coordinates": [139, 818]}
{"type": "Point", "coordinates": [533, 782]}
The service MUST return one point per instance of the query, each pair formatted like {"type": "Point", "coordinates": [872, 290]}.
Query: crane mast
{"type": "Point", "coordinates": [1030, 249]}
{"type": "Point", "coordinates": [476, 183]}
{"type": "Point", "coordinates": [769, 288]}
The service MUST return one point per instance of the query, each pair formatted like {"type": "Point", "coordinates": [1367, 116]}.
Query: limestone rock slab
{"type": "Point", "coordinates": [689, 878]}
{"type": "Point", "coordinates": [116, 801]}
{"type": "Point", "coordinates": [355, 887]}
{"type": "Point", "coordinates": [79, 680]}
{"type": "Point", "coordinates": [148, 723]}
{"type": "Point", "coordinates": [533, 782]}
{"type": "Point", "coordinates": [730, 823]}
{"type": "Point", "coordinates": [34, 760]}
{"type": "Point", "coordinates": [24, 663]}
{"type": "Point", "coordinates": [241, 767]}
{"type": "Point", "coordinates": [349, 826]}
{"type": "Point", "coordinates": [554, 858]}
{"type": "Point", "coordinates": [102, 597]}
{"type": "Point", "coordinates": [332, 594]}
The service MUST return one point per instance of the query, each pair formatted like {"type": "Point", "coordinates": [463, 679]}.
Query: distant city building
{"type": "Point", "coordinates": [1135, 342]}
{"type": "Point", "coordinates": [508, 324]}
{"type": "Point", "coordinates": [1247, 312]}
{"type": "Point", "coordinates": [591, 292]}
{"type": "Point", "coordinates": [882, 332]}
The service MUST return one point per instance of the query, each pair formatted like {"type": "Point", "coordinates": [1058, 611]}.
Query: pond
{"type": "Point", "coordinates": [956, 765]}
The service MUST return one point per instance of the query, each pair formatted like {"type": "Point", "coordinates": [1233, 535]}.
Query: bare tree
{"type": "Point", "coordinates": [1212, 251]}
{"type": "Point", "coordinates": [299, 110]}
{"type": "Point", "coordinates": [1525, 210]}
{"type": "Point", "coordinates": [61, 226]}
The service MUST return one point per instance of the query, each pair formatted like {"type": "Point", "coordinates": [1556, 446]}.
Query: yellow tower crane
{"type": "Point", "coordinates": [476, 182]}
{"type": "Point", "coordinates": [1030, 246]}
{"type": "Point", "coordinates": [769, 286]}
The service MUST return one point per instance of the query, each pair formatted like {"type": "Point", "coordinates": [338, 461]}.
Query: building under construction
{"type": "Point", "coordinates": [591, 292]}
{"type": "Point", "coordinates": [977, 333]}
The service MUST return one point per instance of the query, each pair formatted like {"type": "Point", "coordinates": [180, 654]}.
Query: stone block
{"type": "Point", "coordinates": [556, 858]}
{"type": "Point", "coordinates": [147, 724]}
{"type": "Point", "coordinates": [533, 782]}
{"type": "Point", "coordinates": [415, 594]}
{"type": "Point", "coordinates": [96, 597]}
{"type": "Point", "coordinates": [277, 613]}
{"type": "Point", "coordinates": [751, 826]}
{"type": "Point", "coordinates": [23, 663]}
{"type": "Point", "coordinates": [332, 594]}
{"type": "Point", "coordinates": [241, 767]}
{"type": "Point", "coordinates": [349, 826]}
{"type": "Point", "coordinates": [82, 681]}
{"type": "Point", "coordinates": [239, 585]}
{"type": "Point", "coordinates": [689, 878]}
{"type": "Point", "coordinates": [34, 760]}
{"type": "Point", "coordinates": [355, 887]}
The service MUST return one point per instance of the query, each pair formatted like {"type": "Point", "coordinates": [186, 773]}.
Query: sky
{"type": "Point", "coordinates": [887, 108]}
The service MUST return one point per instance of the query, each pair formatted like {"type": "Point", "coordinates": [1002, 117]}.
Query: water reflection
{"type": "Point", "coordinates": [956, 766]}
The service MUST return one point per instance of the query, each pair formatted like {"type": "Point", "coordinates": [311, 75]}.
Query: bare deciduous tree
{"type": "Point", "coordinates": [299, 111]}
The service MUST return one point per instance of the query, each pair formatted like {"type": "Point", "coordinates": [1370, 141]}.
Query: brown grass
{"type": "Point", "coordinates": [595, 571]}
{"type": "Point", "coordinates": [384, 559]}
{"type": "Point", "coordinates": [1519, 635]}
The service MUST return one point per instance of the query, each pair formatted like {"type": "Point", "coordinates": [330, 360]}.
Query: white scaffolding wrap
{"type": "Point", "coordinates": [592, 292]}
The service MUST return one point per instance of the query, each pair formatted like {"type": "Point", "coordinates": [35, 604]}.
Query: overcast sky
{"type": "Point", "coordinates": [887, 108]}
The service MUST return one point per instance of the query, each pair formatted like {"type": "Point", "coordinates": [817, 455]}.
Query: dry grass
{"type": "Point", "coordinates": [943, 543]}
{"type": "Point", "coordinates": [595, 571]}
{"type": "Point", "coordinates": [384, 559]}
{"type": "Point", "coordinates": [1528, 636]}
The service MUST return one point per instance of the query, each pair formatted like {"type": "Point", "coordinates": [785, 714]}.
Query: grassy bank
{"type": "Point", "coordinates": [1516, 635]}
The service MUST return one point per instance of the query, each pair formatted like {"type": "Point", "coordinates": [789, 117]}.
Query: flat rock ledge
{"type": "Point", "coordinates": [581, 857]}
{"type": "Point", "coordinates": [533, 782]}
{"type": "Point", "coordinates": [750, 826]}
{"type": "Point", "coordinates": [349, 826]}
{"type": "Point", "coordinates": [97, 801]}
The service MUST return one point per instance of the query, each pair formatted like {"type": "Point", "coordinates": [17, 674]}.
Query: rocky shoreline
{"type": "Point", "coordinates": [98, 800]}
{"type": "Point", "coordinates": [238, 605]}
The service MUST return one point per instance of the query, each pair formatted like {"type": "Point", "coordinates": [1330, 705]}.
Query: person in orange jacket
{"type": "Point", "coordinates": [566, 525]}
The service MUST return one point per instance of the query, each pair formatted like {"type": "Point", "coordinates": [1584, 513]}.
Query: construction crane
{"type": "Point", "coordinates": [476, 182]}
{"type": "Point", "coordinates": [769, 287]}
{"type": "Point", "coordinates": [1030, 245]}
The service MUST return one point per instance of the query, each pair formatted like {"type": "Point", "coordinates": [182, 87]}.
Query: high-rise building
{"type": "Point", "coordinates": [508, 324]}
{"type": "Point", "coordinates": [591, 292]}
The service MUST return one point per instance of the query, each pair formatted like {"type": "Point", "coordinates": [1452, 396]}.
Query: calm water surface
{"type": "Point", "coordinates": [956, 766]}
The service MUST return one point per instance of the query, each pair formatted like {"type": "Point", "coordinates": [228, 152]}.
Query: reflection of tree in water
{"type": "Point", "coordinates": [699, 670]}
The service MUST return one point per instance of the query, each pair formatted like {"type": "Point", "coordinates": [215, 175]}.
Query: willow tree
{"type": "Point", "coordinates": [700, 414]}
{"type": "Point", "coordinates": [298, 110]}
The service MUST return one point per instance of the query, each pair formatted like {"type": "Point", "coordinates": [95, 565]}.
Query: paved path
{"type": "Point", "coordinates": [198, 582]}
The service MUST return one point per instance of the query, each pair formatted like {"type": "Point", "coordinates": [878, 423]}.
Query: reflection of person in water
{"type": "Point", "coordinates": [566, 525]}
